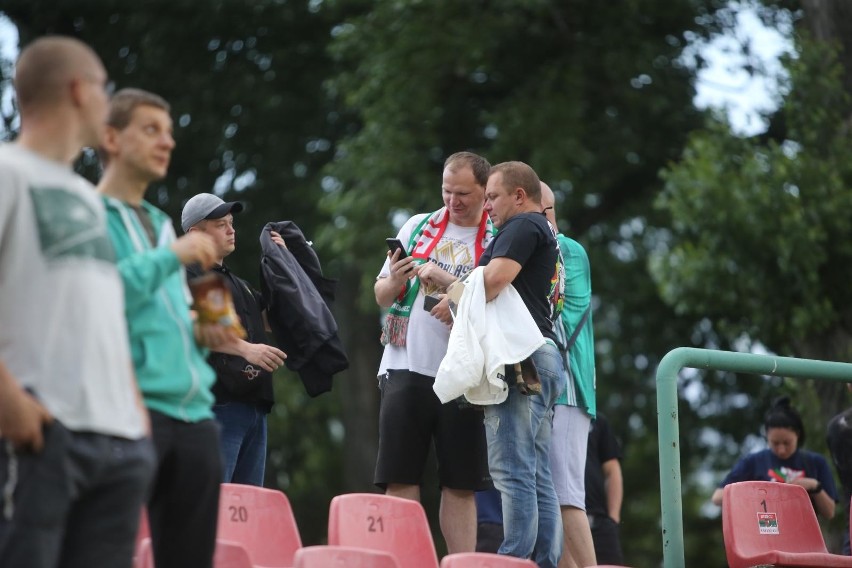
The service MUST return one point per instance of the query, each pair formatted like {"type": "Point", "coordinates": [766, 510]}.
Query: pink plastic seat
{"type": "Point", "coordinates": [143, 532]}
{"type": "Point", "coordinates": [766, 522]}
{"type": "Point", "coordinates": [382, 522]}
{"type": "Point", "coordinates": [484, 560]}
{"type": "Point", "coordinates": [343, 557]}
{"type": "Point", "coordinates": [144, 554]}
{"type": "Point", "coordinates": [262, 521]}
{"type": "Point", "coordinates": [231, 555]}
{"type": "Point", "coordinates": [227, 555]}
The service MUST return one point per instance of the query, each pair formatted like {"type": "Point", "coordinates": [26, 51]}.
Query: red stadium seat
{"type": "Point", "coordinates": [144, 554]}
{"type": "Point", "coordinates": [484, 560]}
{"type": "Point", "coordinates": [231, 555]}
{"type": "Point", "coordinates": [382, 522]}
{"type": "Point", "coordinates": [143, 532]}
{"type": "Point", "coordinates": [343, 557]}
{"type": "Point", "coordinates": [773, 523]}
{"type": "Point", "coordinates": [262, 521]}
{"type": "Point", "coordinates": [227, 555]}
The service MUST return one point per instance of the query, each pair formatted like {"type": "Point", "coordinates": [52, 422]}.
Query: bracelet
{"type": "Point", "coordinates": [816, 489]}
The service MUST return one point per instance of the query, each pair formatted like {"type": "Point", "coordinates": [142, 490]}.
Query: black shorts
{"type": "Point", "coordinates": [605, 534]}
{"type": "Point", "coordinates": [410, 418]}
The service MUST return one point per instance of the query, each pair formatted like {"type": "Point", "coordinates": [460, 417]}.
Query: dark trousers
{"type": "Point", "coordinates": [75, 503]}
{"type": "Point", "coordinates": [184, 503]}
{"type": "Point", "coordinates": [605, 534]}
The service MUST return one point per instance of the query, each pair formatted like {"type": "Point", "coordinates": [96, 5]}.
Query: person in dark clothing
{"type": "Point", "coordinates": [243, 388]}
{"type": "Point", "coordinates": [839, 437]}
{"type": "Point", "coordinates": [604, 491]}
{"type": "Point", "coordinates": [785, 461]}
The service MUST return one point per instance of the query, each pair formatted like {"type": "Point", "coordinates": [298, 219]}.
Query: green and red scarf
{"type": "Point", "coordinates": [423, 239]}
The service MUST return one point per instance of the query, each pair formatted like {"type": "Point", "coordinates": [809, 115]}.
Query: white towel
{"type": "Point", "coordinates": [486, 336]}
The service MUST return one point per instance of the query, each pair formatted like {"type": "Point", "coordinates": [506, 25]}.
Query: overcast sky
{"type": "Point", "coordinates": [725, 84]}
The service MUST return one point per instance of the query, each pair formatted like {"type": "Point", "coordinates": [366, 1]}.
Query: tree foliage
{"type": "Point", "coordinates": [339, 113]}
{"type": "Point", "coordinates": [759, 238]}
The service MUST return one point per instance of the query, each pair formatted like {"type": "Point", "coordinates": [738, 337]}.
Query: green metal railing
{"type": "Point", "coordinates": [667, 419]}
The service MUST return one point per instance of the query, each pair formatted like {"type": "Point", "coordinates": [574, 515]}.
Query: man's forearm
{"type": "Point", "coordinates": [614, 488]}
{"type": "Point", "coordinates": [498, 274]}
{"type": "Point", "coordinates": [235, 347]}
{"type": "Point", "coordinates": [387, 291]}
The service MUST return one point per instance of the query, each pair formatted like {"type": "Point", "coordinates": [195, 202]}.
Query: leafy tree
{"type": "Point", "coordinates": [759, 235]}
{"type": "Point", "coordinates": [339, 114]}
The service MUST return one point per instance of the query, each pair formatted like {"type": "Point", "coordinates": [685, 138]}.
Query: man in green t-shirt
{"type": "Point", "coordinates": [575, 409]}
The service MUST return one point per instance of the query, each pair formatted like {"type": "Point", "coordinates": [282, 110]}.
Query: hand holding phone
{"type": "Point", "coordinates": [430, 302]}
{"type": "Point", "coordinates": [394, 245]}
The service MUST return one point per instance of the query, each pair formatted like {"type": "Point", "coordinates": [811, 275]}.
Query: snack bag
{"type": "Point", "coordinates": [213, 302]}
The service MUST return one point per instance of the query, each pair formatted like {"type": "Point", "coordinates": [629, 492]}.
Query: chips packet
{"type": "Point", "coordinates": [214, 304]}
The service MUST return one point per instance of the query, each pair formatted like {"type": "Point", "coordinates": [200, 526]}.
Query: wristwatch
{"type": "Point", "coordinates": [816, 489]}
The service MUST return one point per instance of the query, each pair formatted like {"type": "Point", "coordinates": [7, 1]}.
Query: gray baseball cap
{"type": "Point", "coordinates": [206, 206]}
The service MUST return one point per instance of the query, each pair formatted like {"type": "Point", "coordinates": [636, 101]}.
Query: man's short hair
{"type": "Point", "coordinates": [46, 63]}
{"type": "Point", "coordinates": [519, 174]}
{"type": "Point", "coordinates": [125, 101]}
{"type": "Point", "coordinates": [478, 165]}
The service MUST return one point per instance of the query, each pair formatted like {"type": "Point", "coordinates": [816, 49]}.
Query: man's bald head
{"type": "Point", "coordinates": [548, 204]}
{"type": "Point", "coordinates": [48, 64]}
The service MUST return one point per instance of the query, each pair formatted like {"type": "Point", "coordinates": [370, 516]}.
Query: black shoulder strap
{"type": "Point", "coordinates": [571, 340]}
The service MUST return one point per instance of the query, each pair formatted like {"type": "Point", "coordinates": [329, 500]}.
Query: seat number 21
{"type": "Point", "coordinates": [375, 524]}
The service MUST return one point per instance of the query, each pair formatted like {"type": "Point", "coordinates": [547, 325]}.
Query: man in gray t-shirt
{"type": "Point", "coordinates": [75, 457]}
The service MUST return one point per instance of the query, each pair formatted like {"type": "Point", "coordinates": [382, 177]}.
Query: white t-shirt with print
{"type": "Point", "coordinates": [62, 329]}
{"type": "Point", "coordinates": [427, 337]}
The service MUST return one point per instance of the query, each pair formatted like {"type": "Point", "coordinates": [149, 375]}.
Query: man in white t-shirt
{"type": "Point", "coordinates": [75, 458]}
{"type": "Point", "coordinates": [440, 247]}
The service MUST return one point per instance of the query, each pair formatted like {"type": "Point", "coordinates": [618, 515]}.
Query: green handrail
{"type": "Point", "coordinates": [667, 419]}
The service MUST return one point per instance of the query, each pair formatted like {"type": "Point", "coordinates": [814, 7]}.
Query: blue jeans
{"type": "Point", "coordinates": [518, 433]}
{"type": "Point", "coordinates": [243, 442]}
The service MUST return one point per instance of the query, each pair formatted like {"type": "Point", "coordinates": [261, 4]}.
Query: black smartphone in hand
{"type": "Point", "coordinates": [430, 302]}
{"type": "Point", "coordinates": [394, 244]}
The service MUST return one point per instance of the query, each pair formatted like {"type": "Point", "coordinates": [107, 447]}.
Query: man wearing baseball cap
{"type": "Point", "coordinates": [243, 388]}
{"type": "Point", "coordinates": [205, 206]}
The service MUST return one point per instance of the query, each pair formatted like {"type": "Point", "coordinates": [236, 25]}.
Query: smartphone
{"type": "Point", "coordinates": [430, 302]}
{"type": "Point", "coordinates": [394, 244]}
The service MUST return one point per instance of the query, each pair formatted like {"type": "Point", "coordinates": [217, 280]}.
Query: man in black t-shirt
{"type": "Point", "coordinates": [525, 254]}
{"type": "Point", "coordinates": [243, 387]}
{"type": "Point", "coordinates": [604, 491]}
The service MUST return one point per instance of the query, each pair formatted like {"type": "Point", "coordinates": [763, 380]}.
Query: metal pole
{"type": "Point", "coordinates": [668, 427]}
